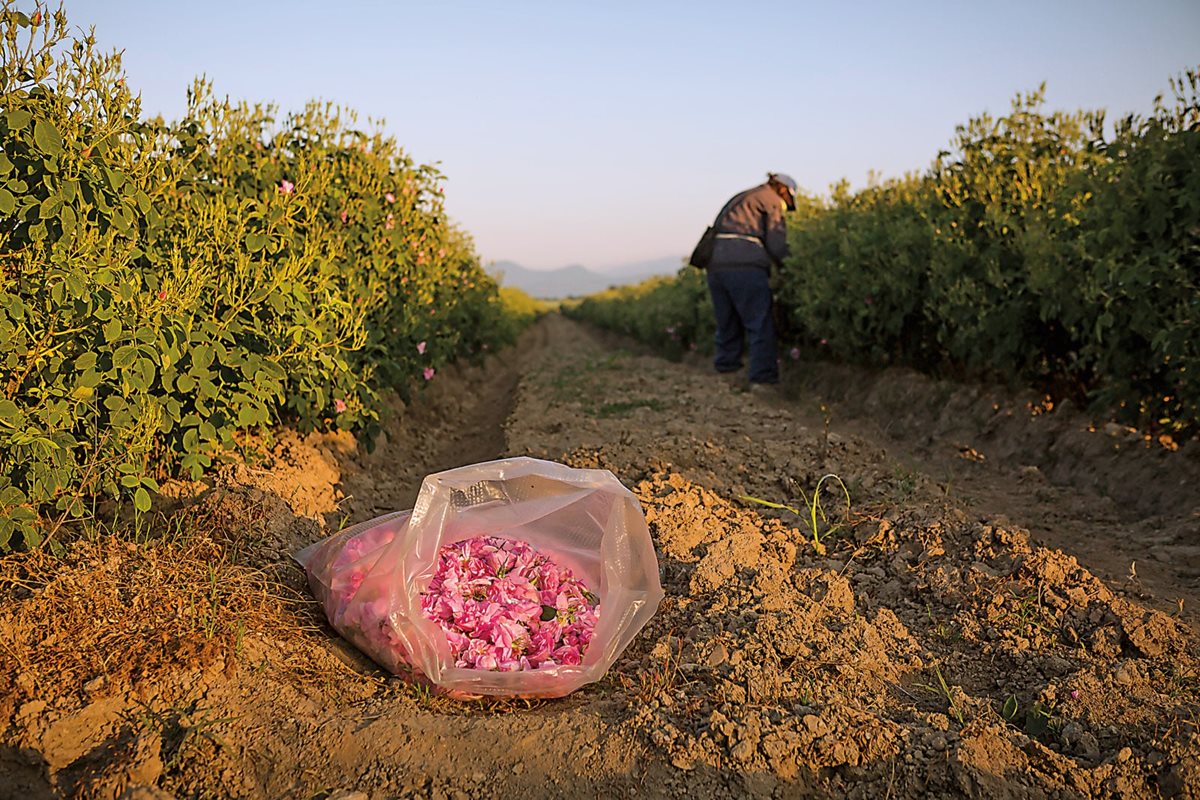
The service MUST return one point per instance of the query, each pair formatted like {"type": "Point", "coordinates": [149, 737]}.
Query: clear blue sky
{"type": "Point", "coordinates": [609, 132]}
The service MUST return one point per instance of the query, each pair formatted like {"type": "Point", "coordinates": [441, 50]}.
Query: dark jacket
{"type": "Point", "coordinates": [755, 234]}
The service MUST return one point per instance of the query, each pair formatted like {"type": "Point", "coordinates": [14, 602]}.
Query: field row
{"type": "Point", "coordinates": [1045, 248]}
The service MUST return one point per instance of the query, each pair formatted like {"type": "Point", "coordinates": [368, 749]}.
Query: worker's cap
{"type": "Point", "coordinates": [785, 180]}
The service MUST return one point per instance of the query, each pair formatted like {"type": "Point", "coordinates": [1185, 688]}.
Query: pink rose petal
{"type": "Point", "coordinates": [506, 607]}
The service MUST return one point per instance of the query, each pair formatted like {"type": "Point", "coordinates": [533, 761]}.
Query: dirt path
{"type": "Point", "coordinates": [1127, 508]}
{"type": "Point", "coordinates": [930, 648]}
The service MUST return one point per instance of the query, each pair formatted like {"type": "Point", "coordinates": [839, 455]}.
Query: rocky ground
{"type": "Point", "coordinates": [1004, 609]}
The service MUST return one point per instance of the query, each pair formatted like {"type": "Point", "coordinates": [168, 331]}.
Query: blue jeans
{"type": "Point", "coordinates": [741, 299]}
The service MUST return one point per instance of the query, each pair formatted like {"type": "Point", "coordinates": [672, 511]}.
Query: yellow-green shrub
{"type": "Point", "coordinates": [165, 286]}
{"type": "Point", "coordinates": [673, 314]}
{"type": "Point", "coordinates": [1035, 250]}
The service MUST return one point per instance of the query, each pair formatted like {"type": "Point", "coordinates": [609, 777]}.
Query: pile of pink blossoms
{"type": "Point", "coordinates": [504, 606]}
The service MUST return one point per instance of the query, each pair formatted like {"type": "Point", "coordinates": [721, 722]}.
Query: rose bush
{"type": "Point", "coordinates": [165, 287]}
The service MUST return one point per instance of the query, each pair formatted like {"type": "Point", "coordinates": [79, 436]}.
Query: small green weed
{"type": "Point", "coordinates": [1010, 708]}
{"type": "Point", "coordinates": [1031, 619]}
{"type": "Point", "coordinates": [181, 728]}
{"type": "Point", "coordinates": [813, 514]}
{"type": "Point", "coordinates": [943, 690]}
{"type": "Point", "coordinates": [941, 630]}
{"type": "Point", "coordinates": [1037, 720]}
{"type": "Point", "coordinates": [1183, 681]}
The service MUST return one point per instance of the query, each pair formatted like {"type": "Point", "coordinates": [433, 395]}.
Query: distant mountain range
{"type": "Point", "coordinates": [576, 280]}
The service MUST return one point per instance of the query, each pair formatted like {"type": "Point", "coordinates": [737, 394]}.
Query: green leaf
{"type": "Point", "coordinates": [115, 179]}
{"type": "Point", "coordinates": [50, 207]}
{"type": "Point", "coordinates": [141, 499]}
{"type": "Point", "coordinates": [33, 537]}
{"type": "Point", "coordinates": [22, 514]}
{"type": "Point", "coordinates": [195, 463]}
{"type": "Point", "coordinates": [8, 203]}
{"type": "Point", "coordinates": [202, 356]}
{"type": "Point", "coordinates": [124, 356]}
{"type": "Point", "coordinates": [136, 380]}
{"type": "Point", "coordinates": [1010, 708]}
{"type": "Point", "coordinates": [12, 496]}
{"type": "Point", "coordinates": [246, 416]}
{"type": "Point", "coordinates": [148, 370]}
{"type": "Point", "coordinates": [112, 331]}
{"type": "Point", "coordinates": [85, 361]}
{"type": "Point", "coordinates": [47, 137]}
{"type": "Point", "coordinates": [18, 119]}
{"type": "Point", "coordinates": [1037, 720]}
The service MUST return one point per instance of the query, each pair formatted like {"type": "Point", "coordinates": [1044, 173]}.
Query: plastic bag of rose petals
{"type": "Point", "coordinates": [517, 577]}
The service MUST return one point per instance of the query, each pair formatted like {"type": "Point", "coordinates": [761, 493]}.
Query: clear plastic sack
{"type": "Point", "coordinates": [370, 578]}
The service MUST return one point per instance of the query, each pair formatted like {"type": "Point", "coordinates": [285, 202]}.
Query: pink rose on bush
{"type": "Point", "coordinates": [429, 373]}
{"type": "Point", "coordinates": [339, 405]}
{"type": "Point", "coordinates": [286, 186]}
{"type": "Point", "coordinates": [421, 348]}
{"type": "Point", "coordinates": [391, 198]}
